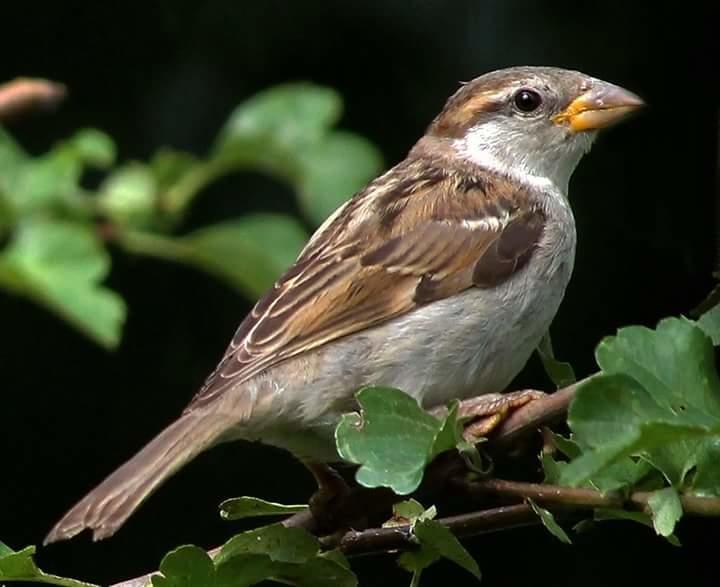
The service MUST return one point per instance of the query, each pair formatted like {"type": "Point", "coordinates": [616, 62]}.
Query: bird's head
{"type": "Point", "coordinates": [534, 122]}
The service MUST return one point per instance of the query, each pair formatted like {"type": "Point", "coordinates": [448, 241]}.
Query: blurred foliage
{"type": "Point", "coordinates": [57, 230]}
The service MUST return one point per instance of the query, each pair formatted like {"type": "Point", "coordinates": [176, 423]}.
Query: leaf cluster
{"type": "Point", "coordinates": [57, 230]}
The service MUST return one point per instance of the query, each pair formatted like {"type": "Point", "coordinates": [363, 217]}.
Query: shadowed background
{"type": "Point", "coordinates": [168, 73]}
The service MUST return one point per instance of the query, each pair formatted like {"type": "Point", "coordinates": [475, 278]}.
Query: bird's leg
{"type": "Point", "coordinates": [482, 414]}
{"type": "Point", "coordinates": [331, 488]}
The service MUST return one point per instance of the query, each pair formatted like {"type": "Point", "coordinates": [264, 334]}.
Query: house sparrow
{"type": "Point", "coordinates": [438, 278]}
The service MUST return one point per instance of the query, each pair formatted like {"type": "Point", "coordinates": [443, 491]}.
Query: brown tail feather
{"type": "Point", "coordinates": [106, 507]}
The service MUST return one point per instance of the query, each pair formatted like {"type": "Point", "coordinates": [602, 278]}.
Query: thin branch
{"type": "Point", "coordinates": [378, 540]}
{"type": "Point", "coordinates": [23, 95]}
{"type": "Point", "coordinates": [578, 497]}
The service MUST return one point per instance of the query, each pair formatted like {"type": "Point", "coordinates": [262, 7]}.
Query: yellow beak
{"type": "Point", "coordinates": [601, 106]}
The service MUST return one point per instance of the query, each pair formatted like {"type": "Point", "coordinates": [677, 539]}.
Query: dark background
{"type": "Point", "coordinates": [168, 73]}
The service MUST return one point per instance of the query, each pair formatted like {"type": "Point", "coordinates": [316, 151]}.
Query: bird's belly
{"type": "Point", "coordinates": [467, 345]}
{"type": "Point", "coordinates": [470, 344]}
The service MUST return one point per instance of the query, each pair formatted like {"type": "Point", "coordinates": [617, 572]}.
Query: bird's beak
{"type": "Point", "coordinates": [602, 105]}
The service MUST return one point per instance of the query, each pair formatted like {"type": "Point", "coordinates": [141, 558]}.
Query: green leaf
{"type": "Point", "coordinates": [603, 514]}
{"type": "Point", "coordinates": [706, 481]}
{"type": "Point", "coordinates": [710, 324]}
{"type": "Point", "coordinates": [281, 544]}
{"type": "Point", "coordinates": [186, 566]}
{"type": "Point", "coordinates": [128, 195]}
{"type": "Point", "coordinates": [250, 252]}
{"type": "Point", "coordinates": [675, 363]}
{"type": "Point", "coordinates": [437, 538]}
{"type": "Point", "coordinates": [610, 514]}
{"type": "Point", "coordinates": [333, 170]}
{"type": "Point", "coordinates": [44, 182]}
{"type": "Point", "coordinates": [658, 398]}
{"type": "Point", "coordinates": [11, 154]}
{"type": "Point", "coordinates": [561, 373]}
{"type": "Point", "coordinates": [551, 468]}
{"type": "Point", "coordinates": [247, 569]}
{"type": "Point", "coordinates": [293, 115]}
{"type": "Point", "coordinates": [666, 510]}
{"type": "Point", "coordinates": [20, 566]}
{"type": "Point", "coordinates": [613, 417]}
{"type": "Point", "coordinates": [94, 147]}
{"type": "Point", "coordinates": [320, 572]}
{"type": "Point", "coordinates": [548, 520]}
{"type": "Point", "coordinates": [251, 507]}
{"type": "Point", "coordinates": [407, 511]}
{"type": "Point", "coordinates": [169, 167]}
{"type": "Point", "coordinates": [60, 265]}
{"type": "Point", "coordinates": [392, 439]}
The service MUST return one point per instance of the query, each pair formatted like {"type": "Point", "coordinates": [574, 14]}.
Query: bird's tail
{"type": "Point", "coordinates": [106, 507]}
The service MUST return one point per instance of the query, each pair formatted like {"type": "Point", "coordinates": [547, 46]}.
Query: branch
{"type": "Point", "coordinates": [23, 95]}
{"type": "Point", "coordinates": [380, 540]}
{"type": "Point", "coordinates": [364, 501]}
{"type": "Point", "coordinates": [577, 497]}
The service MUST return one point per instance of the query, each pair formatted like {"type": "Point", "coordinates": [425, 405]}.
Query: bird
{"type": "Point", "coordinates": [440, 278]}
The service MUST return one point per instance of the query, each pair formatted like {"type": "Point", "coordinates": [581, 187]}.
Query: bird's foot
{"type": "Point", "coordinates": [485, 413]}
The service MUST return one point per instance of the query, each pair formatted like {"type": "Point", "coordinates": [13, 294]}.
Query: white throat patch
{"type": "Point", "coordinates": [494, 147]}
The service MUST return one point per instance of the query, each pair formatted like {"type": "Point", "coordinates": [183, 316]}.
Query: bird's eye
{"type": "Point", "coordinates": [527, 100]}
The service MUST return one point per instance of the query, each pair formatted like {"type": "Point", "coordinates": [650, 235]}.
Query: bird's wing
{"type": "Point", "coordinates": [395, 246]}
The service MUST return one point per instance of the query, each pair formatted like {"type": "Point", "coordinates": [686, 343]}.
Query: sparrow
{"type": "Point", "coordinates": [439, 278]}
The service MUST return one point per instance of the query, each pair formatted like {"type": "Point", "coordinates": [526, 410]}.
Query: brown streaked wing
{"type": "Point", "coordinates": [429, 252]}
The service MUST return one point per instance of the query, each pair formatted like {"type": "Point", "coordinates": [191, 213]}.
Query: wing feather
{"type": "Point", "coordinates": [362, 268]}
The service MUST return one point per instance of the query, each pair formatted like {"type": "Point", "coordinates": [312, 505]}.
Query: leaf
{"type": "Point", "coordinates": [250, 252]}
{"type": "Point", "coordinates": [333, 170]}
{"type": "Point", "coordinates": [561, 373]}
{"type": "Point", "coordinates": [658, 397]}
{"type": "Point", "coordinates": [169, 167]}
{"type": "Point", "coordinates": [603, 514]}
{"type": "Point", "coordinates": [321, 572]}
{"type": "Point", "coordinates": [60, 265]}
{"type": "Point", "coordinates": [94, 147]}
{"type": "Point", "coordinates": [666, 510]}
{"type": "Point", "coordinates": [251, 507]}
{"type": "Point", "coordinates": [186, 566]}
{"type": "Point", "coordinates": [292, 115]}
{"type": "Point", "coordinates": [247, 569]}
{"type": "Point", "coordinates": [41, 183]}
{"type": "Point", "coordinates": [392, 439]}
{"type": "Point", "coordinates": [20, 566]}
{"type": "Point", "coordinates": [675, 363]}
{"type": "Point", "coordinates": [409, 512]}
{"type": "Point", "coordinates": [706, 481]}
{"type": "Point", "coordinates": [551, 468]}
{"type": "Point", "coordinates": [281, 544]}
{"type": "Point", "coordinates": [436, 541]}
{"type": "Point", "coordinates": [548, 520]}
{"type": "Point", "coordinates": [710, 324]}
{"type": "Point", "coordinates": [285, 554]}
{"type": "Point", "coordinates": [128, 195]}
{"type": "Point", "coordinates": [613, 417]}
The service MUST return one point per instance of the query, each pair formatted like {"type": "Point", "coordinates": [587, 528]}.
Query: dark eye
{"type": "Point", "coordinates": [527, 100]}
